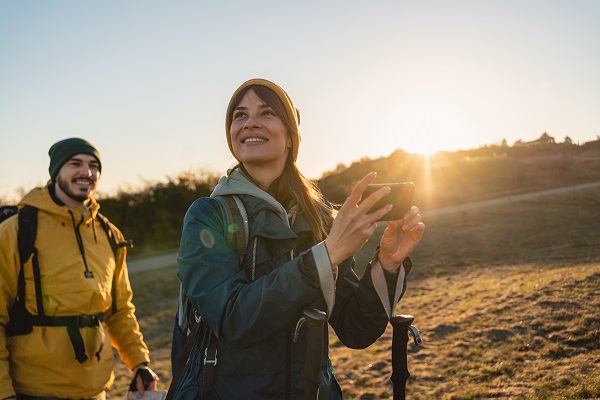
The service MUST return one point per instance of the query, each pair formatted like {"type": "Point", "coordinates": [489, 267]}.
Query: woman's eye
{"type": "Point", "coordinates": [239, 114]}
{"type": "Point", "coordinates": [270, 112]}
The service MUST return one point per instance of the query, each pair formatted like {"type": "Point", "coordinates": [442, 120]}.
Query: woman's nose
{"type": "Point", "coordinates": [251, 122]}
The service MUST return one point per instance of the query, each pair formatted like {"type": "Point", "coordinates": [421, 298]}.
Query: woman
{"type": "Point", "coordinates": [299, 257]}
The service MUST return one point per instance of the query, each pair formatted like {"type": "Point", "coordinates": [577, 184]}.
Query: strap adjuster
{"type": "Point", "coordinates": [206, 360]}
{"type": "Point", "coordinates": [87, 321]}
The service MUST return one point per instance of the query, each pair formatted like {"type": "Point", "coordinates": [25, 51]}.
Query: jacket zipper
{"type": "Point", "coordinates": [87, 273]}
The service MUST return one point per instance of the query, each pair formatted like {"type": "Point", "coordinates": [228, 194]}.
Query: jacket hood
{"type": "Point", "coordinates": [41, 199]}
{"type": "Point", "coordinates": [237, 183]}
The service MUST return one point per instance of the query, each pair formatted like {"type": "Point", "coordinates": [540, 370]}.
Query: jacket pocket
{"type": "Point", "coordinates": [97, 344]}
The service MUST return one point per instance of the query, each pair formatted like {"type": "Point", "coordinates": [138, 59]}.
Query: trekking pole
{"type": "Point", "coordinates": [401, 325]}
{"type": "Point", "coordinates": [311, 370]}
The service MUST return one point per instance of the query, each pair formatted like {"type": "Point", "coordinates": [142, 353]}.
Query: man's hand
{"type": "Point", "coordinates": [145, 379]}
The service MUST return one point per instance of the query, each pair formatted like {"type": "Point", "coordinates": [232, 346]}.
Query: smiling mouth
{"type": "Point", "coordinates": [83, 182]}
{"type": "Point", "coordinates": [254, 140]}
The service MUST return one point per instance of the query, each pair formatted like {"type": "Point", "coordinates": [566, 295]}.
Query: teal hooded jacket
{"type": "Point", "coordinates": [253, 308]}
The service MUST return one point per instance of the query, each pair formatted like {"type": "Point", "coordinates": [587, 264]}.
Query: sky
{"type": "Point", "coordinates": [148, 81]}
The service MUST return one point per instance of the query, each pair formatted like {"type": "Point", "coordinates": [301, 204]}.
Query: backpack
{"type": "Point", "coordinates": [188, 320]}
{"type": "Point", "coordinates": [21, 320]}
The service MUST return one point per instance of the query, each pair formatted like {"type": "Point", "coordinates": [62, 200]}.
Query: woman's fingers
{"type": "Point", "coordinates": [359, 188]}
{"type": "Point", "coordinates": [411, 219]}
{"type": "Point", "coordinates": [365, 208]}
{"type": "Point", "coordinates": [419, 227]}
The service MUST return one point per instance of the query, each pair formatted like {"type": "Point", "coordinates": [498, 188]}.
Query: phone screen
{"type": "Point", "coordinates": [401, 197]}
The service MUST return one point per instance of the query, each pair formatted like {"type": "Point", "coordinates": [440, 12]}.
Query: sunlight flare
{"type": "Point", "coordinates": [427, 124]}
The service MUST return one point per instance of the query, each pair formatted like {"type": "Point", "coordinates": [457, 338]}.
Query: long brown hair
{"type": "Point", "coordinates": [291, 186]}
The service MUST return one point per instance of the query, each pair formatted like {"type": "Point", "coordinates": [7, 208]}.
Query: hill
{"type": "Point", "coordinates": [505, 298]}
{"type": "Point", "coordinates": [450, 178]}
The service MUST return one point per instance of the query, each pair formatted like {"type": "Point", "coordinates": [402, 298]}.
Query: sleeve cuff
{"type": "Point", "coordinates": [326, 274]}
{"type": "Point", "coordinates": [378, 276]}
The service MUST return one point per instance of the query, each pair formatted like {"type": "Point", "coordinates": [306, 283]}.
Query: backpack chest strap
{"type": "Point", "coordinates": [73, 323]}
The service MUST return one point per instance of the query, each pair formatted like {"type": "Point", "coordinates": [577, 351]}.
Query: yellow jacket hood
{"type": "Point", "coordinates": [41, 199]}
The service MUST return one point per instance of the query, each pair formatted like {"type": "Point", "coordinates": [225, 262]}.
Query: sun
{"type": "Point", "coordinates": [427, 125]}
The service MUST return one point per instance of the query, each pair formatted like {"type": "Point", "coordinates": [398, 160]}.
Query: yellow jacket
{"type": "Point", "coordinates": [42, 363]}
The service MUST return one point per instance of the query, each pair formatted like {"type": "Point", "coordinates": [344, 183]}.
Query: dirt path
{"type": "Point", "coordinates": [152, 263]}
{"type": "Point", "coordinates": [167, 260]}
{"type": "Point", "coordinates": [506, 199]}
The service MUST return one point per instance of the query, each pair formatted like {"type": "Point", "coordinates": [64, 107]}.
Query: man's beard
{"type": "Point", "coordinates": [64, 186]}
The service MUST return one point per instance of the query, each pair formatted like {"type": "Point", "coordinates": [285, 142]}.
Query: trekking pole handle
{"type": "Point", "coordinates": [400, 374]}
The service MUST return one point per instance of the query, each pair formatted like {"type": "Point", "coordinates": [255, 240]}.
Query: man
{"type": "Point", "coordinates": [78, 310]}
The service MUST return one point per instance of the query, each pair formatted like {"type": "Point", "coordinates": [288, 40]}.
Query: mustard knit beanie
{"type": "Point", "coordinates": [293, 115]}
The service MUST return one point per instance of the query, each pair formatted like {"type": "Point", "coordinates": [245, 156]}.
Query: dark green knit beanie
{"type": "Point", "coordinates": [62, 151]}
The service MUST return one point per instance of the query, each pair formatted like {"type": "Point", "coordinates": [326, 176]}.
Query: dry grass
{"type": "Point", "coordinates": [506, 299]}
{"type": "Point", "coordinates": [507, 332]}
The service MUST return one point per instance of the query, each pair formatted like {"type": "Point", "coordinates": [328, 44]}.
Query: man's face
{"type": "Point", "coordinates": [77, 179]}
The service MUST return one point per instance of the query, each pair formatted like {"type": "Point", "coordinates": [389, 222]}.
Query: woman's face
{"type": "Point", "coordinates": [258, 136]}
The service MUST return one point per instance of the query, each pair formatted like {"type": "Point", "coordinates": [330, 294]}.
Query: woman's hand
{"type": "Point", "coordinates": [400, 238]}
{"type": "Point", "coordinates": [354, 224]}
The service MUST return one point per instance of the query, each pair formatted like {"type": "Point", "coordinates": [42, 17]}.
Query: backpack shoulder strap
{"type": "Point", "coordinates": [20, 322]}
{"type": "Point", "coordinates": [234, 216]}
{"type": "Point", "coordinates": [26, 239]}
{"type": "Point", "coordinates": [112, 236]}
{"type": "Point", "coordinates": [112, 239]}
{"type": "Point", "coordinates": [236, 231]}
{"type": "Point", "coordinates": [27, 232]}
{"type": "Point", "coordinates": [236, 223]}
{"type": "Point", "coordinates": [237, 226]}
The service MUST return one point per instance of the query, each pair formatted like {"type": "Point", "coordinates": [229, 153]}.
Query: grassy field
{"type": "Point", "coordinates": [506, 300]}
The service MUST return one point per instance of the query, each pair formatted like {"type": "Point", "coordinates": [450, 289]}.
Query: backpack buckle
{"type": "Point", "coordinates": [206, 360]}
{"type": "Point", "coordinates": [87, 321]}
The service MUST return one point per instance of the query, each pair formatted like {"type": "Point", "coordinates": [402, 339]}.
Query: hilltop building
{"type": "Point", "coordinates": [544, 139]}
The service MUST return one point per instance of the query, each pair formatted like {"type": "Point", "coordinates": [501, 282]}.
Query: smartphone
{"type": "Point", "coordinates": [400, 196]}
